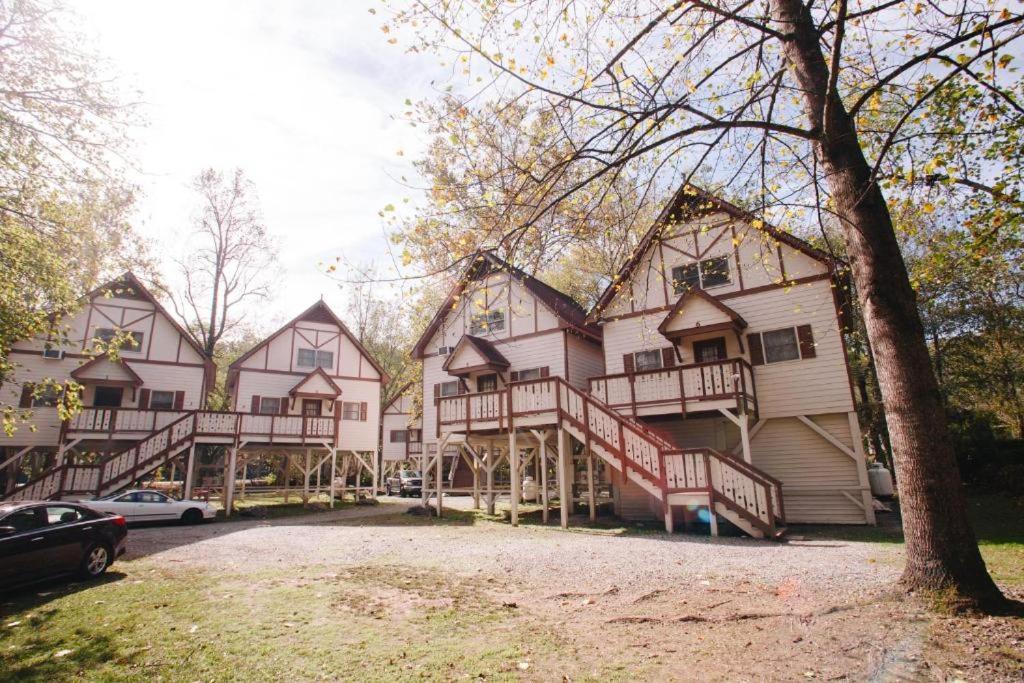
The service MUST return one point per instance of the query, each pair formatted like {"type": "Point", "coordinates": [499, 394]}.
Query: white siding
{"type": "Point", "coordinates": [585, 360]}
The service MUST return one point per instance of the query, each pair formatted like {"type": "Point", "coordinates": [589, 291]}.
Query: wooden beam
{"type": "Point", "coordinates": [564, 488]}
{"type": "Point", "coordinates": [840, 446]}
{"type": "Point", "coordinates": [513, 461]}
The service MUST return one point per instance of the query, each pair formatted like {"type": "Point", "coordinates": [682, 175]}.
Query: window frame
{"type": "Point", "coordinates": [653, 353]}
{"type": "Point", "coordinates": [299, 358]}
{"type": "Point", "coordinates": [264, 402]}
{"type": "Point", "coordinates": [105, 334]}
{"type": "Point", "coordinates": [796, 345]}
{"type": "Point", "coordinates": [49, 398]}
{"type": "Point", "coordinates": [345, 411]}
{"type": "Point", "coordinates": [403, 433]}
{"type": "Point", "coordinates": [153, 401]}
{"type": "Point", "coordinates": [681, 285]}
{"type": "Point", "coordinates": [490, 320]}
{"type": "Point", "coordinates": [320, 355]}
{"type": "Point", "coordinates": [488, 378]}
{"type": "Point", "coordinates": [452, 383]}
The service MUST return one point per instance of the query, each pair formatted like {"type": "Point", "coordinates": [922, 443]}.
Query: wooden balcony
{"type": "Point", "coordinates": [726, 384]}
{"type": "Point", "coordinates": [532, 403]}
{"type": "Point", "coordinates": [211, 427]}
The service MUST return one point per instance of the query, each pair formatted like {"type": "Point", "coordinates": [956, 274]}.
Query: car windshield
{"type": "Point", "coordinates": [410, 475]}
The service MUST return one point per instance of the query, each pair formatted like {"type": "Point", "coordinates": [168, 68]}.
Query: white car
{"type": "Point", "coordinates": [152, 506]}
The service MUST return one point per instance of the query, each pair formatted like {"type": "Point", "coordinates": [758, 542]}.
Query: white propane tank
{"type": "Point", "coordinates": [880, 480]}
{"type": "Point", "coordinates": [530, 489]}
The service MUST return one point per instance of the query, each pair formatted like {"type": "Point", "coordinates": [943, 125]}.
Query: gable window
{"type": "Point", "coordinates": [161, 400]}
{"type": "Point", "coordinates": [647, 360]}
{"type": "Point", "coordinates": [353, 410]}
{"type": "Point", "coordinates": [448, 388]}
{"type": "Point", "coordinates": [710, 272]}
{"type": "Point", "coordinates": [270, 405]}
{"type": "Point", "coordinates": [107, 334]}
{"type": "Point", "coordinates": [777, 346]}
{"type": "Point", "coordinates": [488, 321]}
{"type": "Point", "coordinates": [310, 358]}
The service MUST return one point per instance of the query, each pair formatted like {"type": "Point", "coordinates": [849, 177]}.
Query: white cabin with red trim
{"type": "Point", "coordinates": [726, 333]}
{"type": "Point", "coordinates": [401, 433]}
{"type": "Point", "coordinates": [162, 373]}
{"type": "Point", "coordinates": [313, 367]}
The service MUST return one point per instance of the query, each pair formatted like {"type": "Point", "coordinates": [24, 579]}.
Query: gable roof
{"type": "Point", "coordinates": [318, 372]}
{"type": "Point", "coordinates": [483, 262]}
{"type": "Point", "coordinates": [318, 312]}
{"type": "Point", "coordinates": [398, 395]}
{"type": "Point", "coordinates": [491, 356]}
{"type": "Point", "coordinates": [694, 200]}
{"type": "Point", "coordinates": [693, 294]}
{"type": "Point", "coordinates": [82, 371]}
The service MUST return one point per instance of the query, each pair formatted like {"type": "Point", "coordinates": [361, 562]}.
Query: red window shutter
{"type": "Point", "coordinates": [143, 399]}
{"type": "Point", "coordinates": [463, 389]}
{"type": "Point", "coordinates": [545, 371]}
{"type": "Point", "coordinates": [179, 400]}
{"type": "Point", "coordinates": [806, 338]}
{"type": "Point", "coordinates": [668, 357]}
{"type": "Point", "coordinates": [756, 350]}
{"type": "Point", "coordinates": [437, 391]}
{"type": "Point", "coordinates": [284, 405]}
{"type": "Point", "coordinates": [627, 363]}
{"type": "Point", "coordinates": [364, 409]}
{"type": "Point", "coordinates": [513, 376]}
{"type": "Point", "coordinates": [255, 404]}
{"type": "Point", "coordinates": [26, 396]}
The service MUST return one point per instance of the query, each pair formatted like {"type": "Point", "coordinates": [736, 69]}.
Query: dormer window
{"type": "Point", "coordinates": [488, 321]}
{"type": "Point", "coordinates": [712, 272]}
{"type": "Point", "coordinates": [311, 358]}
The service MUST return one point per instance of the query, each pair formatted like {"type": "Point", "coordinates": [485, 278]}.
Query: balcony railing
{"type": "Point", "coordinates": [680, 388]}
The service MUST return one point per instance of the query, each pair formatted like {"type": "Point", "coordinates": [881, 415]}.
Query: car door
{"type": "Point", "coordinates": [22, 555]}
{"type": "Point", "coordinates": [65, 537]}
{"type": "Point", "coordinates": [155, 505]}
{"type": "Point", "coordinates": [126, 505]}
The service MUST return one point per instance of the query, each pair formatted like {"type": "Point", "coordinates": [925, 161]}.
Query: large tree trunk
{"type": "Point", "coordinates": [942, 552]}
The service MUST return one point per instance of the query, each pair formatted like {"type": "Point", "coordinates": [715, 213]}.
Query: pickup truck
{"type": "Point", "coordinates": [405, 483]}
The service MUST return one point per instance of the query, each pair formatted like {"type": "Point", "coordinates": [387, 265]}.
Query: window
{"type": "Point", "coordinates": [780, 345]}
{"type": "Point", "coordinates": [415, 435]}
{"type": "Point", "coordinates": [709, 350]}
{"type": "Point", "coordinates": [487, 383]}
{"type": "Point", "coordinates": [312, 407]}
{"type": "Point", "coordinates": [107, 334]}
{"type": "Point", "coordinates": [449, 388]}
{"type": "Point", "coordinates": [24, 520]}
{"type": "Point", "coordinates": [398, 436]}
{"type": "Point", "coordinates": [107, 397]}
{"type": "Point", "coordinates": [63, 514]}
{"type": "Point", "coordinates": [710, 272]}
{"type": "Point", "coordinates": [151, 497]}
{"type": "Point", "coordinates": [647, 360]}
{"type": "Point", "coordinates": [527, 375]}
{"type": "Point", "coordinates": [161, 400]}
{"type": "Point", "coordinates": [310, 358]}
{"type": "Point", "coordinates": [270, 405]}
{"type": "Point", "coordinates": [488, 321]}
{"type": "Point", "coordinates": [353, 410]}
{"type": "Point", "coordinates": [47, 398]}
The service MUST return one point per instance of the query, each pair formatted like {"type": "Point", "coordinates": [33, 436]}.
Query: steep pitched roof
{"type": "Point", "coordinates": [318, 312]}
{"type": "Point", "coordinates": [491, 356]}
{"type": "Point", "coordinates": [482, 262]}
{"type": "Point", "coordinates": [398, 395]}
{"type": "Point", "coordinates": [693, 200]}
{"type": "Point", "coordinates": [693, 295]}
{"type": "Point", "coordinates": [300, 387]}
{"type": "Point", "coordinates": [84, 372]}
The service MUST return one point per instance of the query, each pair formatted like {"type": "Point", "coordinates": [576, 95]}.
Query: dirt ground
{"type": "Point", "coordinates": [657, 607]}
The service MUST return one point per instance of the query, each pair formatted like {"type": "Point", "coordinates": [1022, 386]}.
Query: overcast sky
{"type": "Point", "coordinates": [299, 94]}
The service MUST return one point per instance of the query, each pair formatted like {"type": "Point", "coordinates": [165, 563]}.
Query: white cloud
{"type": "Point", "coordinates": [300, 95]}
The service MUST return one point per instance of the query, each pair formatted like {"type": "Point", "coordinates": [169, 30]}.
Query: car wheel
{"type": "Point", "coordinates": [192, 516]}
{"type": "Point", "coordinates": [97, 558]}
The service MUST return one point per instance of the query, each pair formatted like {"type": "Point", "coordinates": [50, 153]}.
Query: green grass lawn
{"type": "Point", "coordinates": [144, 622]}
{"type": "Point", "coordinates": [998, 522]}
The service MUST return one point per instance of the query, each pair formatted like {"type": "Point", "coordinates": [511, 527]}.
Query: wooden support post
{"type": "Point", "coordinates": [190, 471]}
{"type": "Point", "coordinates": [305, 480]}
{"type": "Point", "coordinates": [358, 466]}
{"type": "Point", "coordinates": [543, 450]}
{"type": "Point", "coordinates": [744, 424]}
{"type": "Point", "coordinates": [334, 471]}
{"type": "Point", "coordinates": [591, 495]}
{"type": "Point", "coordinates": [286, 470]}
{"type": "Point", "coordinates": [564, 488]}
{"type": "Point", "coordinates": [713, 519]}
{"type": "Point", "coordinates": [476, 480]}
{"type": "Point", "coordinates": [375, 475]}
{"type": "Point", "coordinates": [438, 469]}
{"type": "Point", "coordinates": [318, 469]}
{"type": "Point", "coordinates": [245, 470]}
{"type": "Point", "coordinates": [513, 463]}
{"type": "Point", "coordinates": [668, 518]}
{"type": "Point", "coordinates": [424, 479]}
{"type": "Point", "coordinates": [491, 466]}
{"type": "Point", "coordinates": [229, 481]}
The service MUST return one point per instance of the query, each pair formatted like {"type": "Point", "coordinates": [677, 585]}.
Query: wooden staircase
{"type": "Point", "coordinates": [115, 471]}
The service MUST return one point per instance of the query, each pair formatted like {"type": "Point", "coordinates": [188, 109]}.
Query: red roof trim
{"type": "Point", "coordinates": [699, 294]}
{"type": "Point", "coordinates": [136, 380]}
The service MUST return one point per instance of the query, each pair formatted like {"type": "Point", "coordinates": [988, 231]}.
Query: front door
{"type": "Point", "coordinates": [312, 407]}
{"type": "Point", "coordinates": [107, 397]}
{"type": "Point", "coordinates": [709, 350]}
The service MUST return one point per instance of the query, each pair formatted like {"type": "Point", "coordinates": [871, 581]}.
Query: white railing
{"type": "Point", "coordinates": [674, 386]}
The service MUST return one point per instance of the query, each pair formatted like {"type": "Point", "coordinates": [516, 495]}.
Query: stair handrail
{"type": "Point", "coordinates": [169, 427]}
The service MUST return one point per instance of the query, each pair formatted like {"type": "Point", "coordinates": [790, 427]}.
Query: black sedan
{"type": "Point", "coordinates": [41, 540]}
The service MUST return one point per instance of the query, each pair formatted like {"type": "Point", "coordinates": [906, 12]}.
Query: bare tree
{"type": "Point", "coordinates": [805, 108]}
{"type": "Point", "coordinates": [230, 261]}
